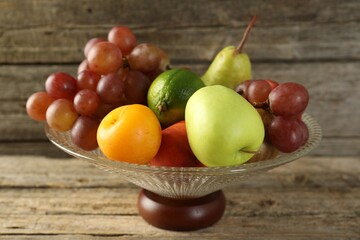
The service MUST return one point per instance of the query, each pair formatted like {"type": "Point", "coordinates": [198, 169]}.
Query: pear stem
{"type": "Point", "coordinates": [246, 33]}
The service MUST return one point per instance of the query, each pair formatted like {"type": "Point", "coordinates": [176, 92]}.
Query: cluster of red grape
{"type": "Point", "coordinates": [281, 107]}
{"type": "Point", "coordinates": [116, 71]}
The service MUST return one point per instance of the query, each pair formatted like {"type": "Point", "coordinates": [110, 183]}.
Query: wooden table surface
{"type": "Point", "coordinates": [314, 43]}
{"type": "Point", "coordinates": [47, 198]}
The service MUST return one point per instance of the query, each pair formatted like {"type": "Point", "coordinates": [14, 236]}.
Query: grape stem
{"type": "Point", "coordinates": [239, 48]}
{"type": "Point", "coordinates": [264, 105]}
{"type": "Point", "coordinates": [125, 62]}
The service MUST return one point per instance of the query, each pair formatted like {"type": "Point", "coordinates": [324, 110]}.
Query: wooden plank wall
{"type": "Point", "coordinates": [313, 42]}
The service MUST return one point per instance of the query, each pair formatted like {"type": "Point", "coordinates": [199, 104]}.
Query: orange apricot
{"type": "Point", "coordinates": [130, 133]}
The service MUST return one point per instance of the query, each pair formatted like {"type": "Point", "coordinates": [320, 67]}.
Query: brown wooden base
{"type": "Point", "coordinates": [181, 214]}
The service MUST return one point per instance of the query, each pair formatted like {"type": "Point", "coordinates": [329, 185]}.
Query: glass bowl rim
{"type": "Point", "coordinates": [315, 135]}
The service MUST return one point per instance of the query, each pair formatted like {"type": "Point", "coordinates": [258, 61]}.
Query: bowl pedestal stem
{"type": "Point", "coordinates": [181, 214]}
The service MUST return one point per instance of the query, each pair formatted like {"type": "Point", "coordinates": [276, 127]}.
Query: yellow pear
{"type": "Point", "coordinates": [231, 66]}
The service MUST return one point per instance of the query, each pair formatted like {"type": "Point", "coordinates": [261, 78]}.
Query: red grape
{"type": "Point", "coordinates": [286, 134]}
{"type": "Point", "coordinates": [136, 87]}
{"type": "Point", "coordinates": [153, 74]}
{"type": "Point", "coordinates": [86, 102]}
{"type": "Point", "coordinates": [83, 133]}
{"type": "Point", "coordinates": [164, 60]}
{"type": "Point", "coordinates": [83, 66]}
{"type": "Point", "coordinates": [111, 88]}
{"type": "Point", "coordinates": [242, 88]}
{"type": "Point", "coordinates": [104, 109]}
{"type": "Point", "coordinates": [272, 83]}
{"type": "Point", "coordinates": [144, 57]}
{"type": "Point", "coordinates": [88, 80]}
{"type": "Point", "coordinates": [61, 85]}
{"type": "Point", "coordinates": [288, 99]}
{"type": "Point", "coordinates": [104, 58]}
{"type": "Point", "coordinates": [258, 92]}
{"type": "Point", "coordinates": [305, 131]}
{"type": "Point", "coordinates": [266, 116]}
{"type": "Point", "coordinates": [163, 66]}
{"type": "Point", "coordinates": [61, 115]}
{"type": "Point", "coordinates": [37, 104]}
{"type": "Point", "coordinates": [122, 37]}
{"type": "Point", "coordinates": [90, 44]}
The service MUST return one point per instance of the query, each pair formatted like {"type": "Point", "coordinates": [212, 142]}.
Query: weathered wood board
{"type": "Point", "coordinates": [311, 42]}
{"type": "Point", "coordinates": [55, 31]}
{"type": "Point", "coordinates": [313, 197]}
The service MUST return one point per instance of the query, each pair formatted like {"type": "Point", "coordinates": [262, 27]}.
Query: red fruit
{"type": "Point", "coordinates": [145, 57]}
{"type": "Point", "coordinates": [83, 66]}
{"type": "Point", "coordinates": [86, 102]}
{"type": "Point", "coordinates": [272, 83]}
{"type": "Point", "coordinates": [61, 85]}
{"type": "Point", "coordinates": [288, 99]}
{"type": "Point", "coordinates": [287, 134]}
{"type": "Point", "coordinates": [104, 58]}
{"type": "Point", "coordinates": [87, 80]}
{"type": "Point", "coordinates": [136, 87]}
{"type": "Point", "coordinates": [266, 116]}
{"type": "Point", "coordinates": [123, 37]}
{"type": "Point", "coordinates": [37, 104]}
{"type": "Point", "coordinates": [111, 88]}
{"type": "Point", "coordinates": [305, 132]}
{"type": "Point", "coordinates": [258, 92]}
{"type": "Point", "coordinates": [91, 43]}
{"type": "Point", "coordinates": [83, 133]}
{"type": "Point", "coordinates": [175, 150]}
{"type": "Point", "coordinates": [242, 88]}
{"type": "Point", "coordinates": [61, 115]}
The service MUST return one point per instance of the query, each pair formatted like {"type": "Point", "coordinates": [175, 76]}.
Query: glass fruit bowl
{"type": "Point", "coordinates": [184, 187]}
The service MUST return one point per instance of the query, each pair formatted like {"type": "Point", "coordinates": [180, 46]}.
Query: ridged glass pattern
{"type": "Point", "coordinates": [183, 182]}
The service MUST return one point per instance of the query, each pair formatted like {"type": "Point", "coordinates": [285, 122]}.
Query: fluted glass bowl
{"type": "Point", "coordinates": [184, 182]}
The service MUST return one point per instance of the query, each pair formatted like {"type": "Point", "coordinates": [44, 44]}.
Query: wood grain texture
{"type": "Point", "coordinates": [326, 88]}
{"type": "Point", "coordinates": [56, 198]}
{"type": "Point", "coordinates": [311, 42]}
{"type": "Point", "coordinates": [56, 31]}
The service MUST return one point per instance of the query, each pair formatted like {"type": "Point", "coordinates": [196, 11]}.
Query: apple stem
{"type": "Point", "coordinates": [248, 151]}
{"type": "Point", "coordinates": [239, 48]}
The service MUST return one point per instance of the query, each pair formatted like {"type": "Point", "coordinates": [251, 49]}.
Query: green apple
{"type": "Point", "coordinates": [223, 128]}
